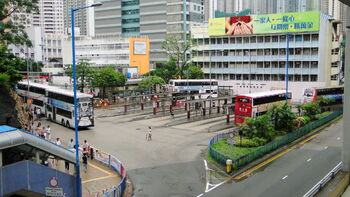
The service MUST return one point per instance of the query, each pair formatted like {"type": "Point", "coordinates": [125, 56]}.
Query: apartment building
{"type": "Point", "coordinates": [257, 62]}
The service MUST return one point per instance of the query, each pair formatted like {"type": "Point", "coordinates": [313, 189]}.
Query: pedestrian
{"type": "Point", "coordinates": [43, 133]}
{"type": "Point", "coordinates": [48, 132]}
{"type": "Point", "coordinates": [86, 147]}
{"type": "Point", "coordinates": [172, 114]}
{"type": "Point", "coordinates": [31, 128]}
{"type": "Point", "coordinates": [38, 113]}
{"type": "Point", "coordinates": [149, 136]}
{"type": "Point", "coordinates": [58, 141]}
{"type": "Point", "coordinates": [66, 165]}
{"type": "Point", "coordinates": [85, 162]}
{"type": "Point", "coordinates": [33, 113]}
{"type": "Point", "coordinates": [71, 143]}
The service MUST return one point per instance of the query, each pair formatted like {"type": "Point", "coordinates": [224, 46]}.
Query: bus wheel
{"type": "Point", "coordinates": [62, 122]}
{"type": "Point", "coordinates": [67, 124]}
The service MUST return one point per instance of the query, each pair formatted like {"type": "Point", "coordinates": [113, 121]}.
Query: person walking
{"type": "Point", "coordinates": [149, 135]}
{"type": "Point", "coordinates": [85, 162]}
{"type": "Point", "coordinates": [48, 132]}
{"type": "Point", "coordinates": [43, 133]}
{"type": "Point", "coordinates": [71, 143]}
{"type": "Point", "coordinates": [37, 129]}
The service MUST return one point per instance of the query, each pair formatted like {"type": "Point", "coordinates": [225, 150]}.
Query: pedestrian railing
{"type": "Point", "coordinates": [313, 191]}
{"type": "Point", "coordinates": [262, 150]}
{"type": "Point", "coordinates": [116, 165]}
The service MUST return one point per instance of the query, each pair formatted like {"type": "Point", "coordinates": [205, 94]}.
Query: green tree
{"type": "Point", "coordinates": [9, 66]}
{"type": "Point", "coordinates": [311, 109]}
{"type": "Point", "coordinates": [85, 73]}
{"type": "Point", "coordinates": [259, 127]}
{"type": "Point", "coordinates": [325, 100]}
{"type": "Point", "coordinates": [282, 118]}
{"type": "Point", "coordinates": [151, 82]}
{"type": "Point", "coordinates": [194, 72]}
{"type": "Point", "coordinates": [11, 33]}
{"type": "Point", "coordinates": [178, 50]}
{"type": "Point", "coordinates": [165, 70]}
{"type": "Point", "coordinates": [107, 77]}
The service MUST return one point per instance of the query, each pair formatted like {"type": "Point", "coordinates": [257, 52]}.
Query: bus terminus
{"type": "Point", "coordinates": [204, 88]}
{"type": "Point", "coordinates": [255, 104]}
{"type": "Point", "coordinates": [58, 104]}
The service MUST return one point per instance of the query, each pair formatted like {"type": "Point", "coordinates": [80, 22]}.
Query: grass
{"type": "Point", "coordinates": [232, 151]}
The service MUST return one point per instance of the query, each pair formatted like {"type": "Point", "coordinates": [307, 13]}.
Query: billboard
{"type": "Point", "coordinates": [269, 23]}
{"type": "Point", "coordinates": [139, 48]}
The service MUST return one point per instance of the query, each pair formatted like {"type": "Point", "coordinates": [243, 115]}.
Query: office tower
{"type": "Point", "coordinates": [155, 19]}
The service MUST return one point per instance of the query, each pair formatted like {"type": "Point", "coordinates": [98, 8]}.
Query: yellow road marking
{"type": "Point", "coordinates": [100, 169]}
{"type": "Point", "coordinates": [238, 177]}
{"type": "Point", "coordinates": [99, 178]}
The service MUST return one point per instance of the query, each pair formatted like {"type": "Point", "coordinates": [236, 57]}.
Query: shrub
{"type": "Point", "coordinates": [246, 142]}
{"type": "Point", "coordinates": [259, 141]}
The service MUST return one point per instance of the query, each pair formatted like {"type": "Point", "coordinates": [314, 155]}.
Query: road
{"type": "Point", "coordinates": [294, 173]}
{"type": "Point", "coordinates": [169, 165]}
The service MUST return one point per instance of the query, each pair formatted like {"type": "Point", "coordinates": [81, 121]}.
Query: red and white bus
{"type": "Point", "coordinates": [255, 104]}
{"type": "Point", "coordinates": [336, 92]}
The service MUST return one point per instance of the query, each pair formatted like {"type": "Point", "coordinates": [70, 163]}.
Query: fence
{"type": "Point", "coordinates": [115, 164]}
{"type": "Point", "coordinates": [262, 150]}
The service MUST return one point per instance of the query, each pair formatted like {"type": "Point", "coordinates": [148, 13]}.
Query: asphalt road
{"type": "Point", "coordinates": [292, 174]}
{"type": "Point", "coordinates": [169, 165]}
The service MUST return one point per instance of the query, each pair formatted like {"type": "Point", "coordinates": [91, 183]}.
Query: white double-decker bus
{"type": "Point", "coordinates": [202, 88]}
{"type": "Point", "coordinates": [36, 94]}
{"type": "Point", "coordinates": [58, 104]}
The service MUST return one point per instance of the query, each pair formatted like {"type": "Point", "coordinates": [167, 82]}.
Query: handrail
{"type": "Point", "coordinates": [323, 181]}
{"type": "Point", "coordinates": [112, 162]}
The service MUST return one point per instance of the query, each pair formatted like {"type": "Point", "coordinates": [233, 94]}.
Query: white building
{"type": "Point", "coordinates": [99, 50]}
{"type": "Point", "coordinates": [257, 62]}
{"type": "Point", "coordinates": [35, 53]}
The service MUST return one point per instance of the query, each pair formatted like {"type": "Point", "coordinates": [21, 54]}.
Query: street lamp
{"type": "Point", "coordinates": [77, 165]}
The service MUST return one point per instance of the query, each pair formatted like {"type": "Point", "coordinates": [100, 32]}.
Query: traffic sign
{"type": "Point", "coordinates": [54, 191]}
{"type": "Point", "coordinates": [53, 182]}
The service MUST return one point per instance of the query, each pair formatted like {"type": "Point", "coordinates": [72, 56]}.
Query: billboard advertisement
{"type": "Point", "coordinates": [269, 23]}
{"type": "Point", "coordinates": [139, 48]}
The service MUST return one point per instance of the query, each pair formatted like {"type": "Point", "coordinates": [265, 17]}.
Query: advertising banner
{"type": "Point", "coordinates": [269, 23]}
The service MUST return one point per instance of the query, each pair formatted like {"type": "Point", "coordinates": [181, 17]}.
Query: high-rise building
{"type": "Point", "coordinates": [50, 16]}
{"type": "Point", "coordinates": [155, 19]}
{"type": "Point", "coordinates": [84, 19]}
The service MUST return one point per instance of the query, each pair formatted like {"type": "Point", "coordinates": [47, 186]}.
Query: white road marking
{"type": "Point", "coordinates": [206, 174]}
{"type": "Point", "coordinates": [308, 160]}
{"type": "Point", "coordinates": [200, 195]}
{"type": "Point", "coordinates": [325, 147]}
{"type": "Point", "coordinates": [216, 186]}
{"type": "Point", "coordinates": [338, 138]}
{"type": "Point", "coordinates": [284, 177]}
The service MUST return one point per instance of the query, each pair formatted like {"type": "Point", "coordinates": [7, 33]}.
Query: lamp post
{"type": "Point", "coordinates": [77, 165]}
{"type": "Point", "coordinates": [287, 64]}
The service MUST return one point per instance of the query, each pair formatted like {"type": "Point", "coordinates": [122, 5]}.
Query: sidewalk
{"type": "Point", "coordinates": [96, 179]}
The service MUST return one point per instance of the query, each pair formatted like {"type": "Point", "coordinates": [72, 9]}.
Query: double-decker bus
{"type": "Point", "coordinates": [58, 104]}
{"type": "Point", "coordinates": [255, 104]}
{"type": "Point", "coordinates": [336, 92]}
{"type": "Point", "coordinates": [202, 88]}
{"type": "Point", "coordinates": [35, 93]}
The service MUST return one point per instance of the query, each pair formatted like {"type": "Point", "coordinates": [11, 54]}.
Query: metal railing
{"type": "Point", "coordinates": [323, 181]}
{"type": "Point", "coordinates": [116, 165]}
{"type": "Point", "coordinates": [262, 150]}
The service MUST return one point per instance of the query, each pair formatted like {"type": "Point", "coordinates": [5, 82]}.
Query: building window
{"type": "Point", "coordinates": [297, 78]}
{"type": "Point", "coordinates": [334, 77]}
{"type": "Point", "coordinates": [313, 77]}
{"type": "Point", "coordinates": [305, 77]}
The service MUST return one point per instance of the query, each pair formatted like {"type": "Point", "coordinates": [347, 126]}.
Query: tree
{"type": "Point", "coordinates": [311, 109]}
{"type": "Point", "coordinates": [177, 50]}
{"type": "Point", "coordinates": [194, 72]}
{"type": "Point", "coordinates": [11, 33]}
{"type": "Point", "coordinates": [108, 77]}
{"type": "Point", "coordinates": [9, 66]}
{"type": "Point", "coordinates": [151, 82]}
{"type": "Point", "coordinates": [85, 73]}
{"type": "Point", "coordinates": [282, 118]}
{"type": "Point", "coordinates": [165, 70]}
{"type": "Point", "coordinates": [259, 127]}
